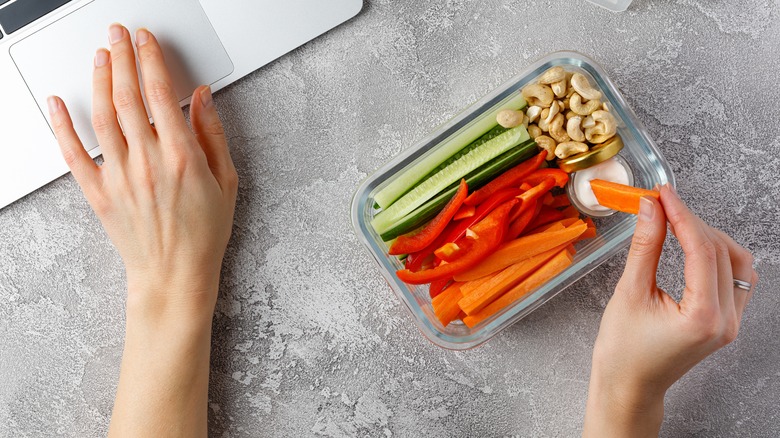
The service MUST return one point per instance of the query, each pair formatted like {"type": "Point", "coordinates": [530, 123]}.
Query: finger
{"type": "Point", "coordinates": [724, 275]}
{"type": "Point", "coordinates": [126, 91]}
{"type": "Point", "coordinates": [158, 87]}
{"type": "Point", "coordinates": [80, 163]}
{"type": "Point", "coordinates": [646, 246]}
{"type": "Point", "coordinates": [700, 255]}
{"type": "Point", "coordinates": [104, 121]}
{"type": "Point", "coordinates": [742, 269]}
{"type": "Point", "coordinates": [211, 135]}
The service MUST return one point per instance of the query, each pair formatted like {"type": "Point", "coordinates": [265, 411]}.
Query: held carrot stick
{"type": "Point", "coordinates": [620, 197]}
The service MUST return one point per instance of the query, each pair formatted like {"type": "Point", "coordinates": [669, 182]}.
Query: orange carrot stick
{"type": "Point", "coordinates": [620, 197]}
{"type": "Point", "coordinates": [555, 266]}
{"type": "Point", "coordinates": [445, 305]}
{"type": "Point", "coordinates": [520, 249]}
{"type": "Point", "coordinates": [498, 284]}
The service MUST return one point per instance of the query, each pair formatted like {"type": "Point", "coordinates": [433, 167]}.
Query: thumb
{"type": "Point", "coordinates": [210, 133]}
{"type": "Point", "coordinates": [646, 246]}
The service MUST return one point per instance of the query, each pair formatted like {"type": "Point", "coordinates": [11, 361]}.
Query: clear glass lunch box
{"type": "Point", "coordinates": [614, 232]}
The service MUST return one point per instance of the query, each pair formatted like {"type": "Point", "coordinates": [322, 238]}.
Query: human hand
{"type": "Point", "coordinates": [647, 341]}
{"type": "Point", "coordinates": [166, 197]}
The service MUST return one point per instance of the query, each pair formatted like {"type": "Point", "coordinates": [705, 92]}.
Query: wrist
{"type": "Point", "coordinates": [622, 407]}
{"type": "Point", "coordinates": [171, 298]}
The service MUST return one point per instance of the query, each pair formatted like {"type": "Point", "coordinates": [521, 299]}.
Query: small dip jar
{"type": "Point", "coordinates": [601, 162]}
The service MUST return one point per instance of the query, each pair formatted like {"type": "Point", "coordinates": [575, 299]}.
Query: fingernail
{"type": "Point", "coordinates": [54, 105]}
{"type": "Point", "coordinates": [205, 97]}
{"type": "Point", "coordinates": [141, 37]}
{"type": "Point", "coordinates": [646, 209]}
{"type": "Point", "coordinates": [101, 58]}
{"type": "Point", "coordinates": [115, 33]}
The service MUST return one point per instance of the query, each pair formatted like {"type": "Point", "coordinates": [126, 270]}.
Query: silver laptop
{"type": "Point", "coordinates": [47, 47]}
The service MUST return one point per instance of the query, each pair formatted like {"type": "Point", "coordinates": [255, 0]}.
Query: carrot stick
{"type": "Point", "coordinates": [620, 197]}
{"type": "Point", "coordinates": [571, 211]}
{"type": "Point", "coordinates": [555, 266]}
{"type": "Point", "coordinates": [445, 304]}
{"type": "Point", "coordinates": [521, 249]}
{"type": "Point", "coordinates": [498, 284]}
{"type": "Point", "coordinates": [560, 201]}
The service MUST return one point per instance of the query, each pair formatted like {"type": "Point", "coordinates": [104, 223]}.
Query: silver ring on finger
{"type": "Point", "coordinates": [744, 285]}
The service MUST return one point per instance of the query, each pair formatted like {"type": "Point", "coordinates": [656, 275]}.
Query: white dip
{"type": "Point", "coordinates": [610, 170]}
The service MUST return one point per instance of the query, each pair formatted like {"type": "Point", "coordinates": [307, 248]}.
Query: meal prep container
{"type": "Point", "coordinates": [615, 231]}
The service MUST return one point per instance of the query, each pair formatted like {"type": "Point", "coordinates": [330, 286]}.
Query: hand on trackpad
{"type": "Point", "coordinates": [59, 58]}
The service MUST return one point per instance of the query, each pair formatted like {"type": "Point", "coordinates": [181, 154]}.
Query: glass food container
{"type": "Point", "coordinates": [647, 166]}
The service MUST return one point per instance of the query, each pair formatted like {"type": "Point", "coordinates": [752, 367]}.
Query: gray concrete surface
{"type": "Point", "coordinates": [308, 340]}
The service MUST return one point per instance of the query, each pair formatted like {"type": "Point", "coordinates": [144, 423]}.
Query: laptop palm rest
{"type": "Point", "coordinates": [58, 59]}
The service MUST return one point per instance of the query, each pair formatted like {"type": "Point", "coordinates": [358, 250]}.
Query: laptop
{"type": "Point", "coordinates": [47, 47]}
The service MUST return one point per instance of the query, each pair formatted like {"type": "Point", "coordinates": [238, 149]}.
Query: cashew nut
{"type": "Point", "coordinates": [526, 121]}
{"type": "Point", "coordinates": [583, 109]}
{"type": "Point", "coordinates": [547, 144]}
{"type": "Point", "coordinates": [554, 110]}
{"type": "Point", "coordinates": [559, 88]}
{"type": "Point", "coordinates": [588, 122]}
{"type": "Point", "coordinates": [573, 129]}
{"type": "Point", "coordinates": [538, 94]}
{"type": "Point", "coordinates": [605, 106]}
{"type": "Point", "coordinates": [604, 129]}
{"type": "Point", "coordinates": [569, 114]}
{"type": "Point", "coordinates": [580, 83]}
{"type": "Point", "coordinates": [534, 131]}
{"type": "Point", "coordinates": [555, 74]}
{"type": "Point", "coordinates": [557, 131]}
{"type": "Point", "coordinates": [510, 118]}
{"type": "Point", "coordinates": [533, 113]}
{"type": "Point", "coordinates": [543, 125]}
{"type": "Point", "coordinates": [569, 148]}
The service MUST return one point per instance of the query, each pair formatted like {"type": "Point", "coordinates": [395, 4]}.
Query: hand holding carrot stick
{"type": "Point", "coordinates": [647, 341]}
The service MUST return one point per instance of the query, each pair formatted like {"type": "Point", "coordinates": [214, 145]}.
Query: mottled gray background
{"type": "Point", "coordinates": [309, 340]}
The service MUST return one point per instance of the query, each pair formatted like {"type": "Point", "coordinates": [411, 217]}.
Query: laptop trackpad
{"type": "Point", "coordinates": [59, 58]}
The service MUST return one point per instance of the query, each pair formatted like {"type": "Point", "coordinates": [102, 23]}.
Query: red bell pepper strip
{"type": "Point", "coordinates": [535, 193]}
{"type": "Point", "coordinates": [407, 244]}
{"type": "Point", "coordinates": [520, 224]}
{"type": "Point", "coordinates": [490, 232]}
{"type": "Point", "coordinates": [510, 178]}
{"type": "Point", "coordinates": [456, 230]}
{"type": "Point", "coordinates": [465, 211]}
{"type": "Point", "coordinates": [560, 177]}
{"type": "Point", "coordinates": [525, 186]}
{"type": "Point", "coordinates": [490, 204]}
{"type": "Point", "coordinates": [448, 252]}
{"type": "Point", "coordinates": [546, 216]}
{"type": "Point", "coordinates": [560, 201]}
{"type": "Point", "coordinates": [438, 287]}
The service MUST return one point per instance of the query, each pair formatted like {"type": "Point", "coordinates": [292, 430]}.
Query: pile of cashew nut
{"type": "Point", "coordinates": [565, 115]}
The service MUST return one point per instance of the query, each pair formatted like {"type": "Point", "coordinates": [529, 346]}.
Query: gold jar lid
{"type": "Point", "coordinates": [597, 154]}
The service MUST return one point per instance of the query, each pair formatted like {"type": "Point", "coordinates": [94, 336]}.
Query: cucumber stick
{"type": "Point", "coordinates": [475, 180]}
{"type": "Point", "coordinates": [416, 173]}
{"type": "Point", "coordinates": [450, 174]}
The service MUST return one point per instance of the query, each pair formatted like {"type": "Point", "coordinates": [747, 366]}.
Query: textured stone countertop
{"type": "Point", "coordinates": [308, 338]}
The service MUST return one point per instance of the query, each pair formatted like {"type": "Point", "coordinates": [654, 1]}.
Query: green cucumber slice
{"type": "Point", "coordinates": [463, 138]}
{"type": "Point", "coordinates": [450, 174]}
{"type": "Point", "coordinates": [475, 180]}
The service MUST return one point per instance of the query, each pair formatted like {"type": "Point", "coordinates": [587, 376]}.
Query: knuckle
{"type": "Point", "coordinates": [159, 92]}
{"type": "Point", "coordinates": [103, 122]}
{"type": "Point", "coordinates": [708, 251]}
{"type": "Point", "coordinates": [231, 179]}
{"type": "Point", "coordinates": [730, 332]}
{"type": "Point", "coordinates": [70, 156]}
{"type": "Point", "coordinates": [125, 97]}
{"type": "Point", "coordinates": [214, 129]}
